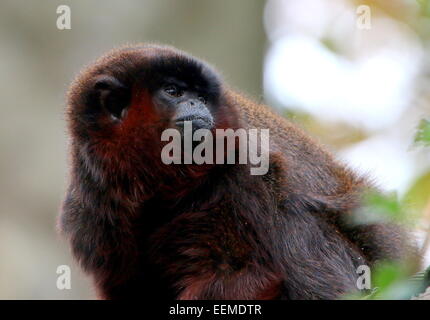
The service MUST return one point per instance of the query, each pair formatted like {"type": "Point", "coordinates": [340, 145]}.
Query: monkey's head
{"type": "Point", "coordinates": [120, 105]}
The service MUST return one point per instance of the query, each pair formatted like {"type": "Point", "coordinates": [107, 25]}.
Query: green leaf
{"type": "Point", "coordinates": [386, 274]}
{"type": "Point", "coordinates": [392, 281]}
{"type": "Point", "coordinates": [424, 6]}
{"type": "Point", "coordinates": [380, 207]}
{"type": "Point", "coordinates": [419, 194]}
{"type": "Point", "coordinates": [423, 133]}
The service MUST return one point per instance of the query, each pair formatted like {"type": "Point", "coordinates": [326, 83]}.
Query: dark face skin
{"type": "Point", "coordinates": [185, 103]}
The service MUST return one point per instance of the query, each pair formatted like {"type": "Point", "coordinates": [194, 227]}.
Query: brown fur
{"type": "Point", "coordinates": [145, 229]}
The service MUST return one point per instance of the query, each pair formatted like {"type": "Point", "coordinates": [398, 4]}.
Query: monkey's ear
{"type": "Point", "coordinates": [112, 95]}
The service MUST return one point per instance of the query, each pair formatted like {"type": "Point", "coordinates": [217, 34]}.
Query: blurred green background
{"type": "Point", "coordinates": [245, 40]}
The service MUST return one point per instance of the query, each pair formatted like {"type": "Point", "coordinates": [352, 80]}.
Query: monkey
{"type": "Point", "coordinates": [144, 229]}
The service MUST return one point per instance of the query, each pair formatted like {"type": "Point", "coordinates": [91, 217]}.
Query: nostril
{"type": "Point", "coordinates": [192, 103]}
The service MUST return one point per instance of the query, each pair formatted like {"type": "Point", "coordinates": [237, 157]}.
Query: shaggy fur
{"type": "Point", "coordinates": [143, 229]}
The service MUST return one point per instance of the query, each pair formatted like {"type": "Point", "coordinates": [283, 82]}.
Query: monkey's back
{"type": "Point", "coordinates": [307, 165]}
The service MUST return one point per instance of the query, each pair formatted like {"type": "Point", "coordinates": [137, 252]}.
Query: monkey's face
{"type": "Point", "coordinates": [121, 104]}
{"type": "Point", "coordinates": [180, 102]}
{"type": "Point", "coordinates": [176, 90]}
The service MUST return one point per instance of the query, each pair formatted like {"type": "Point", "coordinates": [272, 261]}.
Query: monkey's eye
{"type": "Point", "coordinates": [173, 90]}
{"type": "Point", "coordinates": [202, 99]}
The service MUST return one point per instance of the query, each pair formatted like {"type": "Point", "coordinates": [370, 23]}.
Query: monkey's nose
{"type": "Point", "coordinates": [194, 103]}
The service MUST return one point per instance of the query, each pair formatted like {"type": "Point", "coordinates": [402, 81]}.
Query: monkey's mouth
{"type": "Point", "coordinates": [194, 123]}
